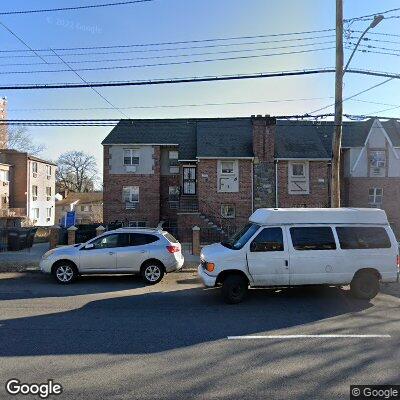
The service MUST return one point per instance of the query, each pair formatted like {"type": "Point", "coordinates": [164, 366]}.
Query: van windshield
{"type": "Point", "coordinates": [240, 238]}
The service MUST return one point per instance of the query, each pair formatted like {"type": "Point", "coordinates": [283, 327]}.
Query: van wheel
{"type": "Point", "coordinates": [65, 272]}
{"type": "Point", "coordinates": [234, 289]}
{"type": "Point", "coordinates": [365, 285]}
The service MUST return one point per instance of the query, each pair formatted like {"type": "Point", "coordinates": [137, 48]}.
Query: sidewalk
{"type": "Point", "coordinates": [23, 260]}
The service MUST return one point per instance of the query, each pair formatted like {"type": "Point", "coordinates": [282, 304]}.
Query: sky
{"type": "Point", "coordinates": [186, 20]}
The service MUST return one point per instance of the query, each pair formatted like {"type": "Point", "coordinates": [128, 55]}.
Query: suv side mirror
{"type": "Point", "coordinates": [89, 246]}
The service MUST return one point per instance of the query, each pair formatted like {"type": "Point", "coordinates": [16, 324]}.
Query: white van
{"type": "Point", "coordinates": [309, 246]}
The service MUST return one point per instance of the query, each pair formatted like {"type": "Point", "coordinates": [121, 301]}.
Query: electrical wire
{"type": "Point", "coordinates": [371, 15]}
{"type": "Point", "coordinates": [45, 10]}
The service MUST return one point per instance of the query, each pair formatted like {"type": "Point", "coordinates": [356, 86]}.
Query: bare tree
{"type": "Point", "coordinates": [76, 171]}
{"type": "Point", "coordinates": [19, 139]}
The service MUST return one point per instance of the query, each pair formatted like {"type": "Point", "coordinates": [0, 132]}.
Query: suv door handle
{"type": "Point", "coordinates": [143, 251]}
{"type": "Point", "coordinates": [111, 253]}
{"type": "Point", "coordinates": [286, 263]}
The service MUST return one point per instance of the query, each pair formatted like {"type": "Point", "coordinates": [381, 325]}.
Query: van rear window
{"type": "Point", "coordinates": [358, 237]}
{"type": "Point", "coordinates": [313, 238]}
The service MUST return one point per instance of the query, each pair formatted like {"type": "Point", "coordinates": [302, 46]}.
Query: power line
{"type": "Point", "coordinates": [363, 17]}
{"type": "Point", "coordinates": [173, 105]}
{"type": "Point", "coordinates": [92, 88]}
{"type": "Point", "coordinates": [172, 55]}
{"type": "Point", "coordinates": [120, 3]}
{"type": "Point", "coordinates": [352, 96]}
{"type": "Point", "coordinates": [36, 86]}
{"type": "Point", "coordinates": [118, 67]}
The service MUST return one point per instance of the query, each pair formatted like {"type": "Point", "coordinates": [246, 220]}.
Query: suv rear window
{"type": "Point", "coordinates": [139, 239]}
{"type": "Point", "coordinates": [362, 237]}
{"type": "Point", "coordinates": [170, 238]}
{"type": "Point", "coordinates": [313, 238]}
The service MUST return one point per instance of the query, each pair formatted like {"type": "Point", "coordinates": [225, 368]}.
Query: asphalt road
{"type": "Point", "coordinates": [113, 338]}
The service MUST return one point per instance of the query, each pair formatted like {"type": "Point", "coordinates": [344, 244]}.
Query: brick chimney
{"type": "Point", "coordinates": [264, 162]}
{"type": "Point", "coordinates": [264, 138]}
{"type": "Point", "coordinates": [3, 128]}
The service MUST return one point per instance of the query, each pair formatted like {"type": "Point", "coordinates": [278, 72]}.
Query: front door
{"type": "Point", "coordinates": [268, 258]}
{"type": "Point", "coordinates": [189, 180]}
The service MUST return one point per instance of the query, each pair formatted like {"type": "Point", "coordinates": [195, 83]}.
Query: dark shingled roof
{"type": "Point", "coordinates": [225, 138]}
{"type": "Point", "coordinates": [306, 139]}
{"type": "Point", "coordinates": [392, 128]}
{"type": "Point", "coordinates": [212, 137]}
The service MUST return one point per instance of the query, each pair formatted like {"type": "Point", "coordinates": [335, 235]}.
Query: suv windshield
{"type": "Point", "coordinates": [239, 239]}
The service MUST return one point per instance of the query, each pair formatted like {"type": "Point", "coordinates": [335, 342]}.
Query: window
{"type": "Point", "coordinates": [363, 238]}
{"type": "Point", "coordinates": [170, 238]}
{"type": "Point", "coordinates": [86, 208]}
{"type": "Point", "coordinates": [375, 197]}
{"type": "Point", "coordinates": [140, 239]}
{"type": "Point", "coordinates": [106, 242]}
{"type": "Point", "coordinates": [173, 162]}
{"type": "Point", "coordinates": [377, 162]}
{"type": "Point", "coordinates": [48, 193]}
{"type": "Point", "coordinates": [269, 239]}
{"type": "Point", "coordinates": [137, 224]}
{"type": "Point", "coordinates": [4, 175]}
{"type": "Point", "coordinates": [34, 168]}
{"type": "Point", "coordinates": [227, 167]}
{"type": "Point", "coordinates": [48, 214]}
{"type": "Point", "coordinates": [227, 211]}
{"type": "Point", "coordinates": [239, 239]}
{"type": "Point", "coordinates": [35, 213]}
{"type": "Point", "coordinates": [34, 192]}
{"type": "Point", "coordinates": [173, 193]}
{"type": "Point", "coordinates": [48, 171]}
{"type": "Point", "coordinates": [131, 156]}
{"type": "Point", "coordinates": [298, 170]}
{"type": "Point", "coordinates": [130, 196]}
{"type": "Point", "coordinates": [313, 238]}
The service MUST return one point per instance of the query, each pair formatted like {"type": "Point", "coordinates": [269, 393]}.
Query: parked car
{"type": "Point", "coordinates": [291, 247]}
{"type": "Point", "coordinates": [148, 252]}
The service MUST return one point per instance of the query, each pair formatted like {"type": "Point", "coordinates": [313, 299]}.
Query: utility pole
{"type": "Point", "coordinates": [337, 136]}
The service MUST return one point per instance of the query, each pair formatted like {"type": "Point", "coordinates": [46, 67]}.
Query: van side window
{"type": "Point", "coordinates": [313, 238]}
{"type": "Point", "coordinates": [269, 239]}
{"type": "Point", "coordinates": [358, 237]}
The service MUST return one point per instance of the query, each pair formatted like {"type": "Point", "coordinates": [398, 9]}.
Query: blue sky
{"type": "Point", "coordinates": [176, 20]}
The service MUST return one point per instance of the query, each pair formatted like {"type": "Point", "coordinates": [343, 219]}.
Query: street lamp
{"type": "Point", "coordinates": [337, 137]}
{"type": "Point", "coordinates": [377, 19]}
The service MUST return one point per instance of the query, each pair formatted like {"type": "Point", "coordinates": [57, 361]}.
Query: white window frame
{"type": "Point", "coordinates": [224, 209]}
{"type": "Point", "coordinates": [34, 168]}
{"type": "Point", "coordinates": [48, 171]}
{"type": "Point", "coordinates": [35, 213]}
{"type": "Point", "coordinates": [224, 168]}
{"type": "Point", "coordinates": [48, 214]}
{"type": "Point", "coordinates": [4, 175]}
{"type": "Point", "coordinates": [134, 196]}
{"type": "Point", "coordinates": [292, 174]}
{"type": "Point", "coordinates": [48, 193]}
{"type": "Point", "coordinates": [35, 195]}
{"type": "Point", "coordinates": [133, 153]}
{"type": "Point", "coordinates": [374, 196]}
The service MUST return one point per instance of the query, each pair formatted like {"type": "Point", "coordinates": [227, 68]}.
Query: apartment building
{"type": "Point", "coordinates": [32, 186]}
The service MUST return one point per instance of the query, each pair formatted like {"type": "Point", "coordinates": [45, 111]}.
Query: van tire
{"type": "Point", "coordinates": [365, 285]}
{"type": "Point", "coordinates": [234, 289]}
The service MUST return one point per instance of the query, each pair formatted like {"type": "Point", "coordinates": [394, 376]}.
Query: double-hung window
{"type": "Point", "coordinates": [48, 193]}
{"type": "Point", "coordinates": [173, 162]}
{"type": "Point", "coordinates": [130, 196]}
{"type": "Point", "coordinates": [131, 156]}
{"type": "Point", "coordinates": [34, 192]}
{"type": "Point", "coordinates": [375, 197]}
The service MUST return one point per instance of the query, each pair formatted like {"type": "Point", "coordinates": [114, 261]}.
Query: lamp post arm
{"type": "Point", "coordinates": [355, 48]}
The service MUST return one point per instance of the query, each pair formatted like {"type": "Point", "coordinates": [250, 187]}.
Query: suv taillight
{"type": "Point", "coordinates": [398, 262]}
{"type": "Point", "coordinates": [173, 249]}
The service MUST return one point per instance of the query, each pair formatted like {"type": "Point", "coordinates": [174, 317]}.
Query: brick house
{"type": "Point", "coordinates": [214, 172]}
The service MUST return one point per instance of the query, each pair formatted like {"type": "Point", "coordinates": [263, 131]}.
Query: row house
{"type": "Point", "coordinates": [214, 172]}
{"type": "Point", "coordinates": [31, 186]}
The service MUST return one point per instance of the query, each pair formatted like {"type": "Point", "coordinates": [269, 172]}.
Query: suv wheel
{"type": "Point", "coordinates": [365, 285]}
{"type": "Point", "coordinates": [234, 289]}
{"type": "Point", "coordinates": [65, 273]}
{"type": "Point", "coordinates": [152, 272]}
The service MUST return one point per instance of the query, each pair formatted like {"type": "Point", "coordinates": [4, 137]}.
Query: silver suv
{"type": "Point", "coordinates": [148, 252]}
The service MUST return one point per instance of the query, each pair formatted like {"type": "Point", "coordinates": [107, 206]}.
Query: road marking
{"type": "Point", "coordinates": [329, 336]}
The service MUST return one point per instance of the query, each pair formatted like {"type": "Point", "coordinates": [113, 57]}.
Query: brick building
{"type": "Point", "coordinates": [3, 128]}
{"type": "Point", "coordinates": [214, 172]}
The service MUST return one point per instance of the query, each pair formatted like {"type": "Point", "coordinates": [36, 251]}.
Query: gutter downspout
{"type": "Point", "coordinates": [276, 185]}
